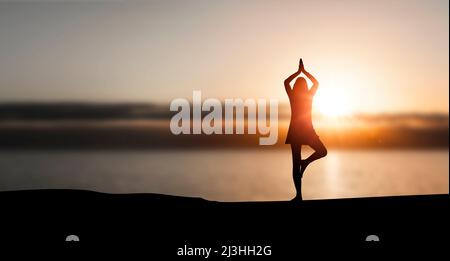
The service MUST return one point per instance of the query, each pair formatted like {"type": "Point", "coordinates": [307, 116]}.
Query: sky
{"type": "Point", "coordinates": [369, 56]}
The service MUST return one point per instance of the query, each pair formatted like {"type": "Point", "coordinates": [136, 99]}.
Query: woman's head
{"type": "Point", "coordinates": [300, 85]}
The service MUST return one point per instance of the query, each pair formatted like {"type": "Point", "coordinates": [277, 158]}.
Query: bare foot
{"type": "Point", "coordinates": [297, 198]}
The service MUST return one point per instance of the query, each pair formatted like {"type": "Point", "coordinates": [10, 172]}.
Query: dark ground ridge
{"type": "Point", "coordinates": [165, 221]}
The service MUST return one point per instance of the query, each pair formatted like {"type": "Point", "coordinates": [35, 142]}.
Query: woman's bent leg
{"type": "Point", "coordinates": [319, 152]}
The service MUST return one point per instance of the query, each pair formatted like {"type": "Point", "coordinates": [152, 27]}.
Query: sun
{"type": "Point", "coordinates": [332, 103]}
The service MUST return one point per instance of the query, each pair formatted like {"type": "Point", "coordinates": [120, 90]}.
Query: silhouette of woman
{"type": "Point", "coordinates": [301, 131]}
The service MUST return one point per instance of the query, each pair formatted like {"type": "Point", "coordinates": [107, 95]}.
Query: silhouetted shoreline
{"type": "Point", "coordinates": [163, 222]}
{"type": "Point", "coordinates": [146, 126]}
{"type": "Point", "coordinates": [164, 199]}
{"type": "Point", "coordinates": [138, 136]}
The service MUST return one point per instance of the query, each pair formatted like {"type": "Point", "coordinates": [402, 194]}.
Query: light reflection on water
{"type": "Point", "coordinates": [230, 175]}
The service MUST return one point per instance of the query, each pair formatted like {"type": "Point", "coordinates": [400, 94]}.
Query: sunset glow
{"type": "Point", "coordinates": [369, 56]}
{"type": "Point", "coordinates": [333, 103]}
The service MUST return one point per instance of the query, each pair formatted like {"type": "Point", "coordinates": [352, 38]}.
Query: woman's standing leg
{"type": "Point", "coordinates": [296, 161]}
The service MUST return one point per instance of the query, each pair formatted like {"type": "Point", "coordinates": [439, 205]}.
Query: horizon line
{"type": "Point", "coordinates": [164, 104]}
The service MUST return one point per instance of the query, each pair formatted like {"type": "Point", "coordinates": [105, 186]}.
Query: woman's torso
{"type": "Point", "coordinates": [301, 107]}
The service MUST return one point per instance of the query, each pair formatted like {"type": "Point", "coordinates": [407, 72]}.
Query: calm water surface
{"type": "Point", "coordinates": [229, 175]}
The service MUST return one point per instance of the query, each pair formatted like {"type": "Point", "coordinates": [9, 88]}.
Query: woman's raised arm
{"type": "Point", "coordinates": [287, 82]}
{"type": "Point", "coordinates": [314, 81]}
